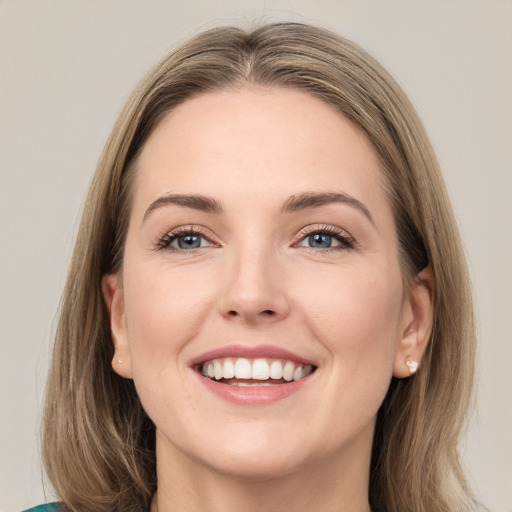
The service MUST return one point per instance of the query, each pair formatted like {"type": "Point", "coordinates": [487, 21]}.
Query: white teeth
{"type": "Point", "coordinates": [276, 370]}
{"type": "Point", "coordinates": [260, 369]}
{"type": "Point", "coordinates": [243, 369]}
{"type": "Point", "coordinates": [257, 369]}
{"type": "Point", "coordinates": [297, 374]}
{"type": "Point", "coordinates": [217, 368]}
{"type": "Point", "coordinates": [288, 371]}
{"type": "Point", "coordinates": [229, 369]}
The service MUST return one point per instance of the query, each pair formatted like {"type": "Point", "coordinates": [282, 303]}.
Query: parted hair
{"type": "Point", "coordinates": [99, 444]}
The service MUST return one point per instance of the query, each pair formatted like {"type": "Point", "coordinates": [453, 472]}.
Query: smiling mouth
{"type": "Point", "coordinates": [244, 372]}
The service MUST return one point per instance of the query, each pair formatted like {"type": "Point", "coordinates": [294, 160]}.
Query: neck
{"type": "Point", "coordinates": [337, 484]}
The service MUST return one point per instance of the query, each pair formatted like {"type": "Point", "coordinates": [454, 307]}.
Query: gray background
{"type": "Point", "coordinates": [66, 68]}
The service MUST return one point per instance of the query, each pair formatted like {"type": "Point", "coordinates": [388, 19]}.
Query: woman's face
{"type": "Point", "coordinates": [261, 243]}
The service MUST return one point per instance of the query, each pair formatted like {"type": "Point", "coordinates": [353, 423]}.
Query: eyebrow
{"type": "Point", "coordinates": [317, 199]}
{"type": "Point", "coordinates": [293, 204]}
{"type": "Point", "coordinates": [195, 201]}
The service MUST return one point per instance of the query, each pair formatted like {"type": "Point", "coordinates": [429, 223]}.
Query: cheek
{"type": "Point", "coordinates": [356, 314]}
{"type": "Point", "coordinates": [164, 311]}
{"type": "Point", "coordinates": [358, 323]}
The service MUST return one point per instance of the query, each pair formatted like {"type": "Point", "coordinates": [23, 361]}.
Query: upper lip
{"type": "Point", "coordinates": [251, 352]}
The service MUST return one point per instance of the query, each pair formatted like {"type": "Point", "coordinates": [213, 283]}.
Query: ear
{"type": "Point", "coordinates": [113, 296]}
{"type": "Point", "coordinates": [417, 320]}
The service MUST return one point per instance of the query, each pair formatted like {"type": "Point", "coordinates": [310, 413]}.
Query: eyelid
{"type": "Point", "coordinates": [341, 234]}
{"type": "Point", "coordinates": [163, 241]}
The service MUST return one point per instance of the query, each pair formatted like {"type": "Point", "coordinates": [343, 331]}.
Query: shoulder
{"type": "Point", "coordinates": [49, 507]}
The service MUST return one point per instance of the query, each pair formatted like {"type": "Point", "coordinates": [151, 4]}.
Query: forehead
{"type": "Point", "coordinates": [238, 145]}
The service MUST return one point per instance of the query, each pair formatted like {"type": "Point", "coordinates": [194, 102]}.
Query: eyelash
{"type": "Point", "coordinates": [347, 241]}
{"type": "Point", "coordinates": [164, 243]}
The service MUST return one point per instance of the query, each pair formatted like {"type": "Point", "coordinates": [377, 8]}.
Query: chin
{"type": "Point", "coordinates": [253, 467]}
{"type": "Point", "coordinates": [244, 452]}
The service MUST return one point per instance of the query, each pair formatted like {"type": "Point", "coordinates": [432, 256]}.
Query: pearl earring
{"type": "Point", "coordinates": [413, 366]}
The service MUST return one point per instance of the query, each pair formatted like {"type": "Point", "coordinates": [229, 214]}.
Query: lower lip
{"type": "Point", "coordinates": [255, 395]}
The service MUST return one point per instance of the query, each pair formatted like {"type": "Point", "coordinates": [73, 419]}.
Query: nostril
{"type": "Point", "coordinates": [266, 312]}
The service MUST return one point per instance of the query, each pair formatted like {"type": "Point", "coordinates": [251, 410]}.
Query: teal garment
{"type": "Point", "coordinates": [49, 507]}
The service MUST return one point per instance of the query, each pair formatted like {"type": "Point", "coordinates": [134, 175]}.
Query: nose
{"type": "Point", "coordinates": [255, 288]}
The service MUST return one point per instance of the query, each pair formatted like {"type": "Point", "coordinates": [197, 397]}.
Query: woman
{"type": "Point", "coordinates": [268, 306]}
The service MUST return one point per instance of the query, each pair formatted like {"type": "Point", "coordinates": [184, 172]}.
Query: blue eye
{"type": "Point", "coordinates": [183, 240]}
{"type": "Point", "coordinates": [326, 238]}
{"type": "Point", "coordinates": [189, 241]}
{"type": "Point", "coordinates": [320, 241]}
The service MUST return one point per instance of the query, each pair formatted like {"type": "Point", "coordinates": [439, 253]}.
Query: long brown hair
{"type": "Point", "coordinates": [98, 443]}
